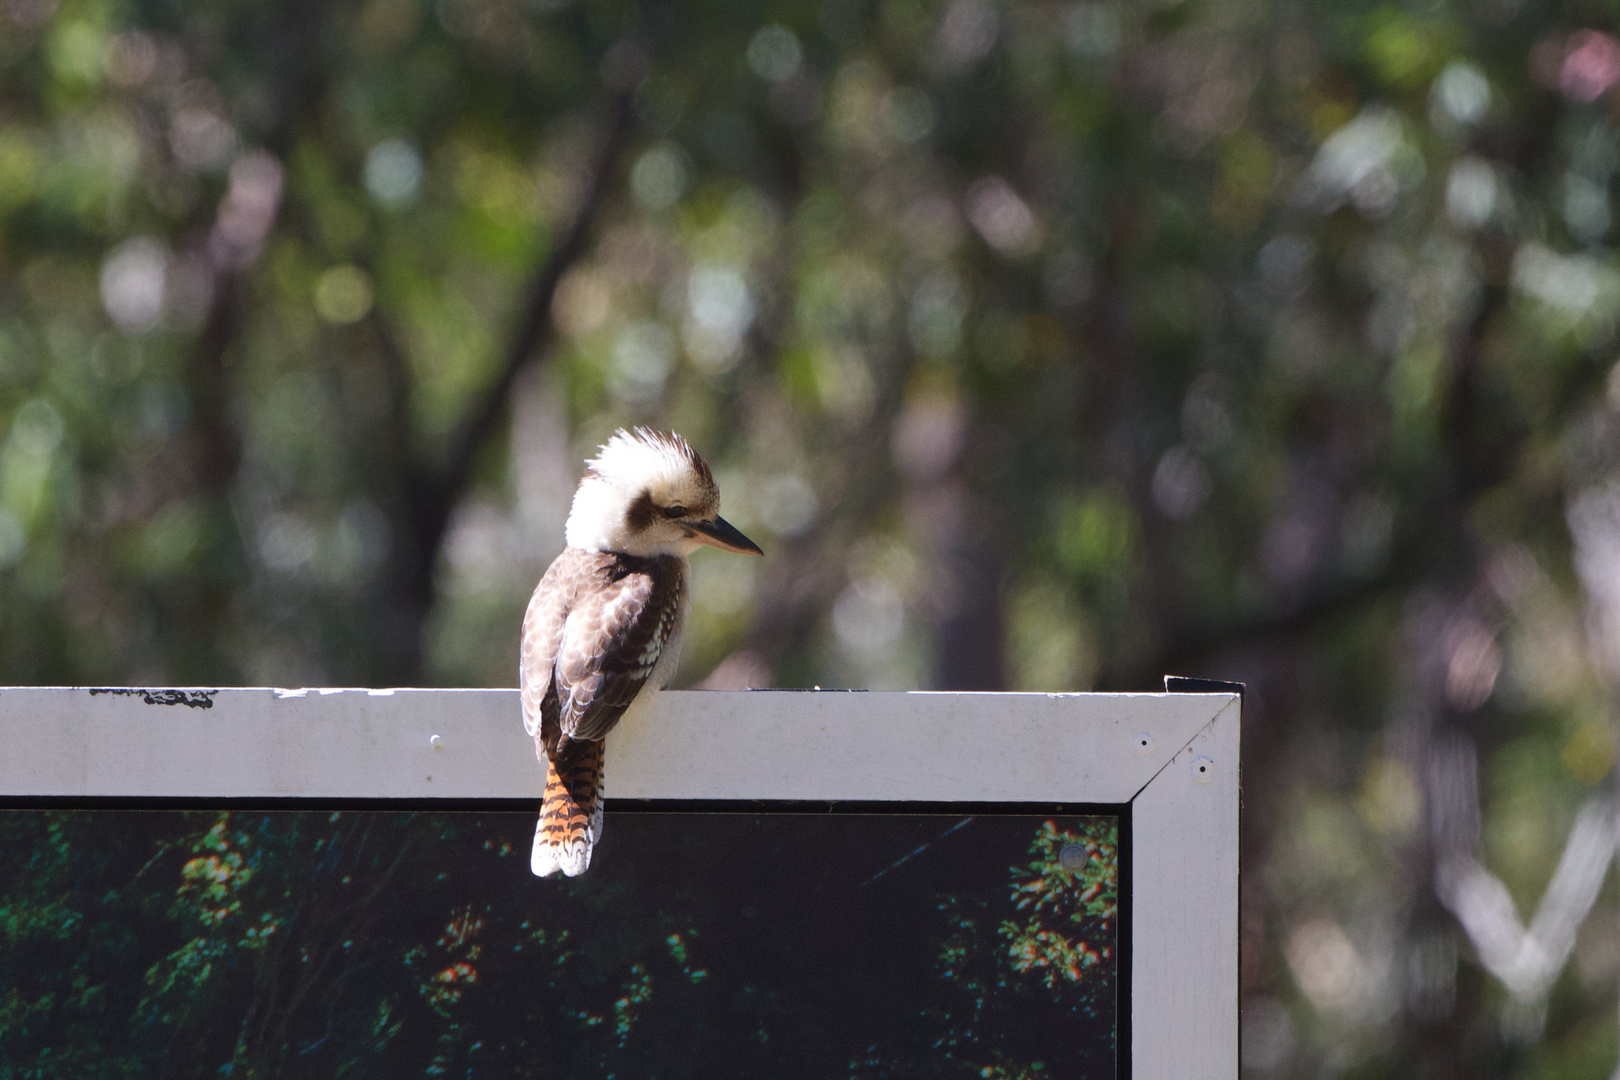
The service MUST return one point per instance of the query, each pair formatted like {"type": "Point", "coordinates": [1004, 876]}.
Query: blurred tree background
{"type": "Point", "coordinates": [1044, 346]}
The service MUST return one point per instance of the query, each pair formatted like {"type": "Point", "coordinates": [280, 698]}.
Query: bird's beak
{"type": "Point", "coordinates": [722, 534]}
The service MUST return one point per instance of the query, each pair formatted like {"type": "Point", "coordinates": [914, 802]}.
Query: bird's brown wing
{"type": "Point", "coordinates": [614, 632]}
{"type": "Point", "coordinates": [543, 626]}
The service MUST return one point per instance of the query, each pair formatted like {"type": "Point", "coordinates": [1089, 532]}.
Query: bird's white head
{"type": "Point", "coordinates": [649, 493]}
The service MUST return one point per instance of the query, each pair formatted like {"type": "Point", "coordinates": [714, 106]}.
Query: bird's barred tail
{"type": "Point", "coordinates": [570, 812]}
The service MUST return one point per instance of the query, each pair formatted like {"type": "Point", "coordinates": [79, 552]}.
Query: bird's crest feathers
{"type": "Point", "coordinates": [646, 456]}
{"type": "Point", "coordinates": [635, 476]}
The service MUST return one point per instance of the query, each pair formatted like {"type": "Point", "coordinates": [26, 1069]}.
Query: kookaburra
{"type": "Point", "coordinates": [603, 629]}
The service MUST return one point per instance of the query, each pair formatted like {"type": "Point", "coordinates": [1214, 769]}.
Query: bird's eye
{"type": "Point", "coordinates": [675, 511]}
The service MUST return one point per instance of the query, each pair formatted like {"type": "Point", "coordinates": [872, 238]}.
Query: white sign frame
{"type": "Point", "coordinates": [1173, 758]}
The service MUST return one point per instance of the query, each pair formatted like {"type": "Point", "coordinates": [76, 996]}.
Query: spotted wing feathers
{"type": "Point", "coordinates": [613, 639]}
{"type": "Point", "coordinates": [543, 626]}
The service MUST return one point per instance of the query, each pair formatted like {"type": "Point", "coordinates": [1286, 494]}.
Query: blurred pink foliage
{"type": "Point", "coordinates": [1591, 65]}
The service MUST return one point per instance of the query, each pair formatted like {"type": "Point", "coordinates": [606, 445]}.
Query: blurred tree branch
{"type": "Point", "coordinates": [805, 570]}
{"type": "Point", "coordinates": [211, 448]}
{"type": "Point", "coordinates": [1472, 457]}
{"type": "Point", "coordinates": [233, 243]}
{"type": "Point", "coordinates": [428, 492]}
{"type": "Point", "coordinates": [443, 487]}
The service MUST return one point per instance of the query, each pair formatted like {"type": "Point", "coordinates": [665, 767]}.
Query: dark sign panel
{"type": "Point", "coordinates": [697, 945]}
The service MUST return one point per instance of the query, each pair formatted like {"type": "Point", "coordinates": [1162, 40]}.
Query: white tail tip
{"type": "Point", "coordinates": [572, 859]}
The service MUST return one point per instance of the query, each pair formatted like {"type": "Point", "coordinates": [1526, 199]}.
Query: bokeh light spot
{"type": "Point", "coordinates": [1463, 92]}
{"type": "Point", "coordinates": [787, 505]}
{"type": "Point", "coordinates": [643, 355]}
{"type": "Point", "coordinates": [132, 284]}
{"type": "Point", "coordinates": [394, 173]}
{"type": "Point", "coordinates": [774, 53]}
{"type": "Point", "coordinates": [343, 294]}
{"type": "Point", "coordinates": [1589, 754]}
{"type": "Point", "coordinates": [660, 176]}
